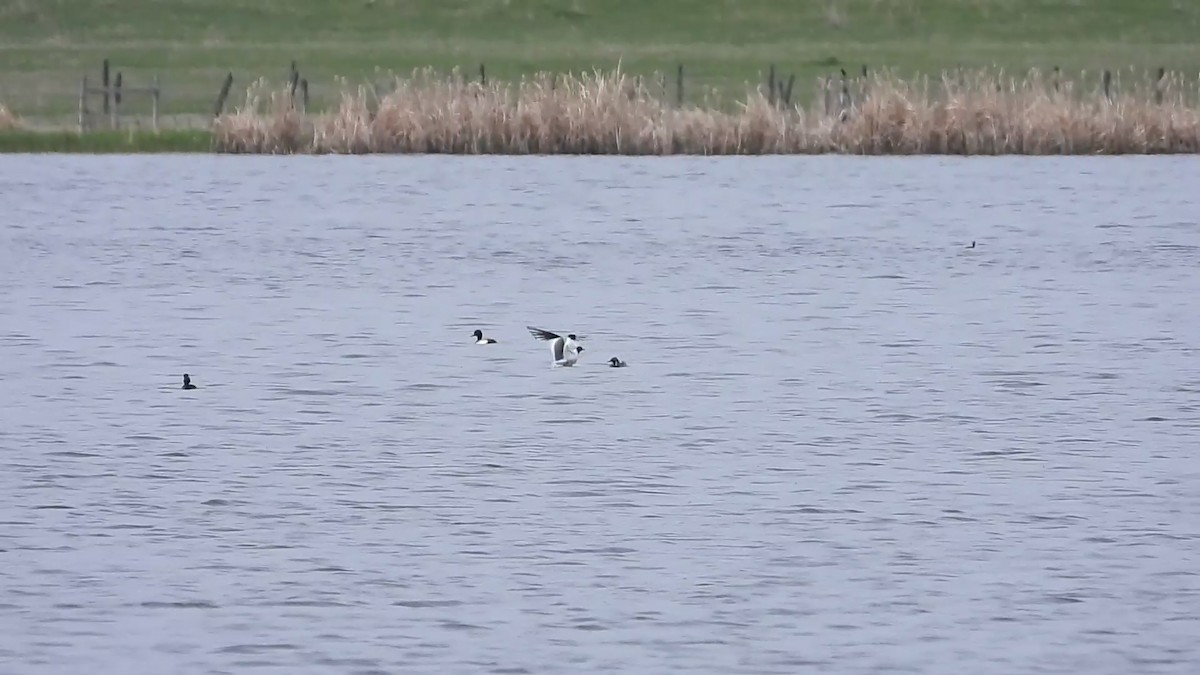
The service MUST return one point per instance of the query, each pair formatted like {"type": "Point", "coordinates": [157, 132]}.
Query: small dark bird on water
{"type": "Point", "coordinates": [187, 382]}
{"type": "Point", "coordinates": [972, 244]}
{"type": "Point", "coordinates": [614, 362]}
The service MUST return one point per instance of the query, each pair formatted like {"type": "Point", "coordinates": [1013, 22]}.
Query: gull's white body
{"type": "Point", "coordinates": [568, 358]}
{"type": "Point", "coordinates": [564, 351]}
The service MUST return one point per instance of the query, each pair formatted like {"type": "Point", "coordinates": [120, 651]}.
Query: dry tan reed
{"type": "Point", "coordinates": [980, 113]}
{"type": "Point", "coordinates": [8, 119]}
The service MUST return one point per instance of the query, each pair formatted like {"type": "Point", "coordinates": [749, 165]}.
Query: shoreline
{"type": "Point", "coordinates": [981, 113]}
{"type": "Point", "coordinates": [170, 142]}
{"type": "Point", "coordinates": [612, 114]}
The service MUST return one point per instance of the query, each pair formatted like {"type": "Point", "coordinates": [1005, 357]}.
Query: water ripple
{"type": "Point", "coordinates": [844, 442]}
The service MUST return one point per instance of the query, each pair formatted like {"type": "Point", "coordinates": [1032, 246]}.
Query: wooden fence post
{"type": "Point", "coordinates": [679, 87]}
{"type": "Point", "coordinates": [304, 95]}
{"type": "Point", "coordinates": [115, 120]}
{"type": "Point", "coordinates": [104, 83]}
{"type": "Point", "coordinates": [83, 111]}
{"type": "Point", "coordinates": [293, 83]}
{"type": "Point", "coordinates": [771, 84]}
{"type": "Point", "coordinates": [1108, 85]}
{"type": "Point", "coordinates": [482, 76]}
{"type": "Point", "coordinates": [219, 107]}
{"type": "Point", "coordinates": [846, 102]}
{"type": "Point", "coordinates": [154, 93]}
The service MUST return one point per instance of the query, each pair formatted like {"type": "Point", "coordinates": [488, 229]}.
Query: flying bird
{"type": "Point", "coordinates": [564, 350]}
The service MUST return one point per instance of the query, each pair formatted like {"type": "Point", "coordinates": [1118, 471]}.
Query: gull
{"type": "Point", "coordinates": [564, 351]}
{"type": "Point", "coordinates": [480, 340]}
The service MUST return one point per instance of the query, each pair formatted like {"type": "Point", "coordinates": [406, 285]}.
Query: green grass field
{"type": "Point", "coordinates": [105, 142]}
{"type": "Point", "coordinates": [47, 45]}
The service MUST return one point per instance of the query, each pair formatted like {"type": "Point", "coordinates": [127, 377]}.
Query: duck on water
{"type": "Point", "coordinates": [480, 340]}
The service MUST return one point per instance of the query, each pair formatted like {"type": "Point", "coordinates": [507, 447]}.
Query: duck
{"type": "Point", "coordinates": [614, 362]}
{"type": "Point", "coordinates": [480, 340]}
{"type": "Point", "coordinates": [187, 382]}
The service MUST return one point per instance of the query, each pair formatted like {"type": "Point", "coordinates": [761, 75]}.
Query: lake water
{"type": "Point", "coordinates": [844, 443]}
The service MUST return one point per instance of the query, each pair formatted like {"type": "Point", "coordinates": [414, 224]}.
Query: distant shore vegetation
{"type": "Point", "coordinates": [610, 113]}
{"type": "Point", "coordinates": [979, 112]}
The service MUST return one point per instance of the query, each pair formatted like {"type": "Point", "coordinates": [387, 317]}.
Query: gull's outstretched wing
{"type": "Point", "coordinates": [543, 334]}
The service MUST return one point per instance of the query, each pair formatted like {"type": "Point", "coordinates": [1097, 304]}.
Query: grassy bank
{"type": "Point", "coordinates": [100, 142]}
{"type": "Point", "coordinates": [45, 47]}
{"type": "Point", "coordinates": [612, 113]}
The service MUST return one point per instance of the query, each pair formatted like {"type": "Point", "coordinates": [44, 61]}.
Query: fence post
{"type": "Point", "coordinates": [771, 84]}
{"type": "Point", "coordinates": [786, 94]}
{"type": "Point", "coordinates": [482, 76]}
{"type": "Point", "coordinates": [154, 105]}
{"type": "Point", "coordinates": [115, 120]}
{"type": "Point", "coordinates": [304, 95]}
{"type": "Point", "coordinates": [846, 102]}
{"type": "Point", "coordinates": [83, 111]}
{"type": "Point", "coordinates": [104, 83]}
{"type": "Point", "coordinates": [679, 87]}
{"type": "Point", "coordinates": [224, 93]}
{"type": "Point", "coordinates": [1108, 85]}
{"type": "Point", "coordinates": [293, 82]}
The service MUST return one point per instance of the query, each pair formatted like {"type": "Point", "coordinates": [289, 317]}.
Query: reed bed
{"type": "Point", "coordinates": [611, 113]}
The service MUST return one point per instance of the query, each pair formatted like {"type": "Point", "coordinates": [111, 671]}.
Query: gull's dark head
{"type": "Point", "coordinates": [579, 350]}
{"type": "Point", "coordinates": [571, 335]}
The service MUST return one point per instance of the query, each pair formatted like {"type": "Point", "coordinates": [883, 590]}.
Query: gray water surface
{"type": "Point", "coordinates": [844, 443]}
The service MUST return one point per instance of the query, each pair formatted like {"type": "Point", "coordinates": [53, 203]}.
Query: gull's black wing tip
{"type": "Point", "coordinates": [542, 334]}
